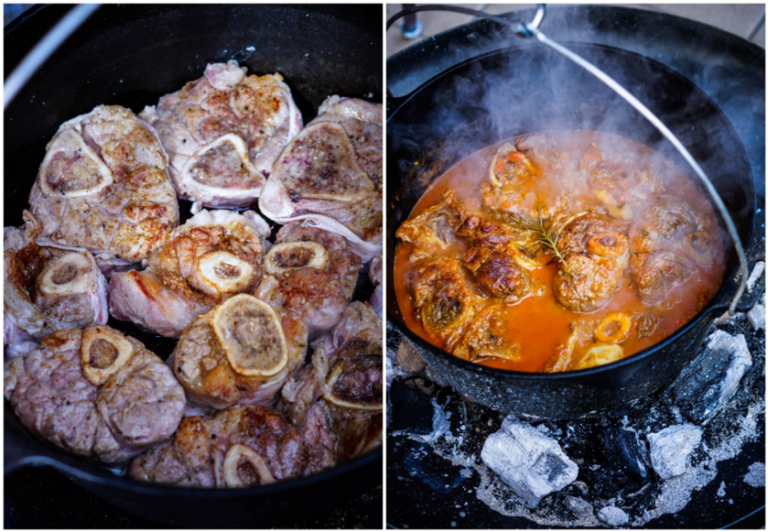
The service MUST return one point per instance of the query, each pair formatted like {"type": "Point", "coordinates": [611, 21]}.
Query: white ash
{"type": "Point", "coordinates": [671, 447]}
{"type": "Point", "coordinates": [676, 492]}
{"type": "Point", "coordinates": [721, 490]}
{"type": "Point", "coordinates": [757, 271]}
{"type": "Point", "coordinates": [578, 506]}
{"type": "Point", "coordinates": [613, 516]}
{"type": "Point", "coordinates": [440, 427]}
{"type": "Point", "coordinates": [529, 462]}
{"type": "Point", "coordinates": [756, 475]}
{"type": "Point", "coordinates": [756, 317]}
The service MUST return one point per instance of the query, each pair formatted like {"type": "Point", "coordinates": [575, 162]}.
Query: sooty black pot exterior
{"type": "Point", "coordinates": [528, 88]}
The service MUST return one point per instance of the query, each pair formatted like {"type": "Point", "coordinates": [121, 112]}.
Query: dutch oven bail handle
{"type": "Point", "coordinates": [531, 29]}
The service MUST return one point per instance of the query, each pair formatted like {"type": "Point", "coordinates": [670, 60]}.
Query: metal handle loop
{"type": "Point", "coordinates": [527, 29]}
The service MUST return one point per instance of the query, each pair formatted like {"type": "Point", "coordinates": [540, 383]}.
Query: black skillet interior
{"type": "Point", "coordinates": [510, 92]}
{"type": "Point", "coordinates": [131, 55]}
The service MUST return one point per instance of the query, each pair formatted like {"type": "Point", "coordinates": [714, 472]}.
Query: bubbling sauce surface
{"type": "Point", "coordinates": [570, 172]}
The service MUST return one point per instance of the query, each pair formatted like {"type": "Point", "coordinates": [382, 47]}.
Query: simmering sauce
{"type": "Point", "coordinates": [562, 176]}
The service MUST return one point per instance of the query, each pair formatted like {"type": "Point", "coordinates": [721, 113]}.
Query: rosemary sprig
{"type": "Point", "coordinates": [543, 227]}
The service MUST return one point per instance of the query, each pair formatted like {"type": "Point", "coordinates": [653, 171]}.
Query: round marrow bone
{"type": "Point", "coordinates": [83, 156]}
{"type": "Point", "coordinates": [610, 244]}
{"type": "Point", "coordinates": [241, 464]}
{"type": "Point", "coordinates": [67, 274]}
{"type": "Point", "coordinates": [237, 143]}
{"type": "Point", "coordinates": [225, 272]}
{"type": "Point", "coordinates": [342, 402]}
{"type": "Point", "coordinates": [251, 335]}
{"type": "Point", "coordinates": [293, 255]}
{"type": "Point", "coordinates": [103, 352]}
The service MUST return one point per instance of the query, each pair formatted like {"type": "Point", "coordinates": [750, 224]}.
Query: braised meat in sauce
{"type": "Point", "coordinates": [595, 255]}
{"type": "Point", "coordinates": [557, 251]}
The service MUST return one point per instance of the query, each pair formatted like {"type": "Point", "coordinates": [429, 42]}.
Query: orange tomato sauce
{"type": "Point", "coordinates": [538, 324]}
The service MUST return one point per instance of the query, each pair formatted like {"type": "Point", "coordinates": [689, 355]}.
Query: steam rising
{"type": "Point", "coordinates": [530, 88]}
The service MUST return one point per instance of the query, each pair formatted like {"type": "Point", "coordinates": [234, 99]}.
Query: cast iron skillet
{"type": "Point", "coordinates": [510, 92]}
{"type": "Point", "coordinates": [131, 55]}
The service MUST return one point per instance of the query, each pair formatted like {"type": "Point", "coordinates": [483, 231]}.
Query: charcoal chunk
{"type": "Point", "coordinates": [670, 449]}
{"type": "Point", "coordinates": [626, 452]}
{"type": "Point", "coordinates": [435, 472]}
{"type": "Point", "coordinates": [709, 382]}
{"type": "Point", "coordinates": [613, 516]}
{"type": "Point", "coordinates": [411, 410]}
{"type": "Point", "coordinates": [578, 507]}
{"type": "Point", "coordinates": [756, 317]}
{"type": "Point", "coordinates": [529, 462]}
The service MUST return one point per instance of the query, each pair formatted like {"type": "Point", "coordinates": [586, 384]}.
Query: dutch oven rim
{"type": "Point", "coordinates": [711, 306]}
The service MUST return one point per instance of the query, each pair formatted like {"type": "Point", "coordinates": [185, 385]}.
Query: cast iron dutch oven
{"type": "Point", "coordinates": [131, 55]}
{"type": "Point", "coordinates": [526, 88]}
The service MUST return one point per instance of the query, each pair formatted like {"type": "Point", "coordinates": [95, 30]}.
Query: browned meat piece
{"type": "Point", "coordinates": [487, 337]}
{"type": "Point", "coordinates": [330, 175]}
{"type": "Point", "coordinates": [494, 258]}
{"type": "Point", "coordinates": [354, 383]}
{"type": "Point", "coordinates": [511, 168]}
{"type": "Point", "coordinates": [104, 186]}
{"type": "Point", "coordinates": [596, 253]}
{"type": "Point", "coordinates": [46, 289]}
{"type": "Point", "coordinates": [212, 257]}
{"type": "Point", "coordinates": [510, 177]}
{"type": "Point", "coordinates": [667, 243]}
{"type": "Point", "coordinates": [545, 152]}
{"type": "Point", "coordinates": [223, 132]}
{"type": "Point", "coordinates": [236, 448]}
{"type": "Point", "coordinates": [241, 352]}
{"type": "Point", "coordinates": [434, 229]}
{"type": "Point", "coordinates": [610, 171]}
{"type": "Point", "coordinates": [316, 273]}
{"type": "Point", "coordinates": [338, 397]}
{"type": "Point", "coordinates": [95, 393]}
{"type": "Point", "coordinates": [321, 438]}
{"type": "Point", "coordinates": [443, 297]}
{"type": "Point", "coordinates": [502, 277]}
{"type": "Point", "coordinates": [359, 431]}
{"type": "Point", "coordinates": [623, 179]}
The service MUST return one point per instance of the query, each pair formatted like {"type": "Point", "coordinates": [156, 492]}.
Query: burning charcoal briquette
{"type": "Point", "coordinates": [756, 317]}
{"type": "Point", "coordinates": [578, 507]}
{"type": "Point", "coordinates": [709, 382]}
{"type": "Point", "coordinates": [670, 449]}
{"type": "Point", "coordinates": [529, 462]}
{"type": "Point", "coordinates": [757, 272]}
{"type": "Point", "coordinates": [613, 516]}
{"type": "Point", "coordinates": [625, 451]}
